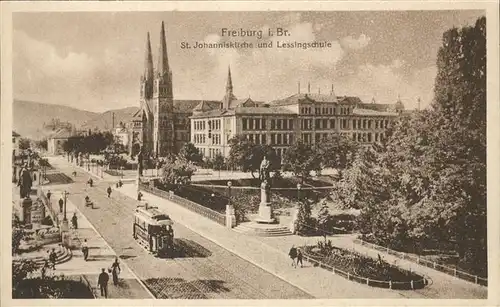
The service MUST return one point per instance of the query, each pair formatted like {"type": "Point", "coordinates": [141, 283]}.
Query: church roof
{"type": "Point", "coordinates": [188, 106]}
{"type": "Point", "coordinates": [247, 102]}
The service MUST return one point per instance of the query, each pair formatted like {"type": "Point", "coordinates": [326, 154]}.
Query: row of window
{"type": "Point", "coordinates": [323, 124]}
{"type": "Point", "coordinates": [370, 123]}
{"type": "Point", "coordinates": [199, 138]}
{"type": "Point", "coordinates": [274, 138]}
{"type": "Point", "coordinates": [325, 110]}
{"type": "Point", "coordinates": [213, 138]}
{"type": "Point", "coordinates": [367, 137]}
{"type": "Point", "coordinates": [199, 125]}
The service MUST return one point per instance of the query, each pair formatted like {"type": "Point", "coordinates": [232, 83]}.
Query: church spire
{"type": "Point", "coordinates": [229, 84]}
{"type": "Point", "coordinates": [148, 61]}
{"type": "Point", "coordinates": [163, 69]}
{"type": "Point", "coordinates": [226, 101]}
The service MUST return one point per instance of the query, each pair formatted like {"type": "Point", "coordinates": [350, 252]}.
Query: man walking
{"type": "Point", "coordinates": [293, 254]}
{"type": "Point", "coordinates": [115, 270]}
{"type": "Point", "coordinates": [53, 258]}
{"type": "Point", "coordinates": [109, 191]}
{"type": "Point", "coordinates": [48, 195]}
{"type": "Point", "coordinates": [299, 258]}
{"type": "Point", "coordinates": [102, 283]}
{"type": "Point", "coordinates": [85, 250]}
{"type": "Point", "coordinates": [74, 221]}
{"type": "Point", "coordinates": [61, 204]}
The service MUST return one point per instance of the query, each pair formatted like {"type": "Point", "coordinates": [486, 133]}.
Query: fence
{"type": "Point", "coordinates": [430, 264]}
{"type": "Point", "coordinates": [413, 284]}
{"type": "Point", "coordinates": [192, 206]}
{"type": "Point", "coordinates": [84, 280]}
{"type": "Point", "coordinates": [48, 205]}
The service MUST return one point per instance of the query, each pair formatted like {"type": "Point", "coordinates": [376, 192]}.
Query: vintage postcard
{"type": "Point", "coordinates": [243, 153]}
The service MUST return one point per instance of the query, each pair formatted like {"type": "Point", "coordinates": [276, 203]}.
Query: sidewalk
{"type": "Point", "coordinates": [100, 256]}
{"type": "Point", "coordinates": [271, 254]}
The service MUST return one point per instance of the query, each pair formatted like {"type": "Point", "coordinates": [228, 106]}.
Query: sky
{"type": "Point", "coordinates": [94, 60]}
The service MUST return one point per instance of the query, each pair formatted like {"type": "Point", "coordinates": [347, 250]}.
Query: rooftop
{"type": "Point", "coordinates": [368, 112]}
{"type": "Point", "coordinates": [15, 134]}
{"type": "Point", "coordinates": [245, 111]}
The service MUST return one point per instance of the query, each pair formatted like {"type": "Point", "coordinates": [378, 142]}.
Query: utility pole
{"type": "Point", "coordinates": [65, 200]}
{"type": "Point", "coordinates": [112, 121]}
{"type": "Point", "coordinates": [65, 226]}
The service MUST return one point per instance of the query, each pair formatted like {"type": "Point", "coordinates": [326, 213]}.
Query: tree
{"type": "Point", "coordinates": [304, 222]}
{"type": "Point", "coordinates": [41, 144]}
{"type": "Point", "coordinates": [24, 143]}
{"type": "Point", "coordinates": [324, 219]}
{"type": "Point", "coordinates": [240, 152]}
{"type": "Point", "coordinates": [427, 180]}
{"type": "Point", "coordinates": [337, 151]}
{"type": "Point", "coordinates": [301, 159]}
{"type": "Point", "coordinates": [219, 162]}
{"type": "Point", "coordinates": [191, 153]}
{"type": "Point", "coordinates": [178, 172]}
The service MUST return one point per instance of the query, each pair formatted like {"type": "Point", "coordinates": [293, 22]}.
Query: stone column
{"type": "Point", "coordinates": [265, 208]}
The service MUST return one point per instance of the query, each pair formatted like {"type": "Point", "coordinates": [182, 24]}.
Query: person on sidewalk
{"type": "Point", "coordinates": [109, 191]}
{"type": "Point", "coordinates": [85, 250]}
{"type": "Point", "coordinates": [61, 204]}
{"type": "Point", "coordinates": [48, 195]}
{"type": "Point", "coordinates": [102, 283]}
{"type": "Point", "coordinates": [74, 173]}
{"type": "Point", "coordinates": [74, 221]}
{"type": "Point", "coordinates": [293, 254]}
{"type": "Point", "coordinates": [299, 258]}
{"type": "Point", "coordinates": [139, 196]}
{"type": "Point", "coordinates": [115, 271]}
{"type": "Point", "coordinates": [90, 182]}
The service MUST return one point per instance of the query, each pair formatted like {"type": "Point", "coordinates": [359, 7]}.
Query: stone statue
{"type": "Point", "coordinates": [139, 161]}
{"type": "Point", "coordinates": [25, 183]}
{"type": "Point", "coordinates": [264, 170]}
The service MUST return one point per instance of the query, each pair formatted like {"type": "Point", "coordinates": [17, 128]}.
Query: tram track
{"type": "Point", "coordinates": [207, 269]}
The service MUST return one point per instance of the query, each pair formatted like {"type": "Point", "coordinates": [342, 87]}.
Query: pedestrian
{"type": "Point", "coordinates": [74, 221]}
{"type": "Point", "coordinates": [44, 268]}
{"type": "Point", "coordinates": [61, 204]}
{"type": "Point", "coordinates": [109, 191]}
{"type": "Point", "coordinates": [102, 283]}
{"type": "Point", "coordinates": [53, 258]}
{"type": "Point", "coordinates": [139, 196]}
{"type": "Point", "coordinates": [293, 254]}
{"type": "Point", "coordinates": [299, 258]}
{"type": "Point", "coordinates": [34, 176]}
{"type": "Point", "coordinates": [85, 250]}
{"type": "Point", "coordinates": [115, 271]}
{"type": "Point", "coordinates": [49, 195]}
{"type": "Point", "coordinates": [90, 182]}
{"type": "Point", "coordinates": [120, 183]}
{"type": "Point", "coordinates": [74, 173]}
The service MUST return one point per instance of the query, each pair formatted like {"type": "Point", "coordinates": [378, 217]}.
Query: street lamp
{"type": "Point", "coordinates": [229, 184]}
{"type": "Point", "coordinates": [299, 187]}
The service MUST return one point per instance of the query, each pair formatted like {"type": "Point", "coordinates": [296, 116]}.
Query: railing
{"type": "Point", "coordinates": [86, 282]}
{"type": "Point", "coordinates": [48, 205]}
{"type": "Point", "coordinates": [430, 264]}
{"type": "Point", "coordinates": [258, 188]}
{"type": "Point", "coordinates": [192, 206]}
{"type": "Point", "coordinates": [413, 284]}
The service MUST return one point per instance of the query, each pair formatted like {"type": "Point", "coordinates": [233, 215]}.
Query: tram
{"type": "Point", "coordinates": [153, 230]}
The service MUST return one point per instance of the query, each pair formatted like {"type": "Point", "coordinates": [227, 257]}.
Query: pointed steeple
{"type": "Point", "coordinates": [226, 101]}
{"type": "Point", "coordinates": [298, 87]}
{"type": "Point", "coordinates": [229, 84]}
{"type": "Point", "coordinates": [309, 87]}
{"type": "Point", "coordinates": [418, 102]}
{"type": "Point", "coordinates": [163, 68]}
{"type": "Point", "coordinates": [148, 61]}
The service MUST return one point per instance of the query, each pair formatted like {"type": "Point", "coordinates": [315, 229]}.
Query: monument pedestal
{"type": "Point", "coordinates": [265, 214]}
{"type": "Point", "coordinates": [26, 205]}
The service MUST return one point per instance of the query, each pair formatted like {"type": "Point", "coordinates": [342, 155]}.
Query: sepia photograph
{"type": "Point", "coordinates": [248, 155]}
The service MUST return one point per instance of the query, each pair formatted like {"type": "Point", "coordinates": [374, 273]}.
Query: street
{"type": "Point", "coordinates": [205, 271]}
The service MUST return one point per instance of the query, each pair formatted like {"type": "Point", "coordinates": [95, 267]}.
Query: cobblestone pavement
{"type": "Point", "coordinates": [208, 271]}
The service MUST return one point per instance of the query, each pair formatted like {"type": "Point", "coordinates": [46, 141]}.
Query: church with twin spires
{"type": "Point", "coordinates": [163, 125]}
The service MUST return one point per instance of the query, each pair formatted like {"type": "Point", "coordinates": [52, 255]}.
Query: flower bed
{"type": "Point", "coordinates": [363, 269]}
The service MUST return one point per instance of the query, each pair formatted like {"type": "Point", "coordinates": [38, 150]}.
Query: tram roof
{"type": "Point", "coordinates": [153, 213]}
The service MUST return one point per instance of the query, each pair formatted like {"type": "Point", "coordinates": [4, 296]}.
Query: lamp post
{"type": "Point", "coordinates": [229, 184]}
{"type": "Point", "coordinates": [65, 226]}
{"type": "Point", "coordinates": [299, 187]}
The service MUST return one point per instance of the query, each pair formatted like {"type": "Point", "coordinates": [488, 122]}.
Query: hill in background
{"type": "Point", "coordinates": [104, 121]}
{"type": "Point", "coordinates": [29, 117]}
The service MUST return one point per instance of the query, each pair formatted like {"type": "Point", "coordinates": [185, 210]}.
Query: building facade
{"type": "Point", "coordinates": [307, 117]}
